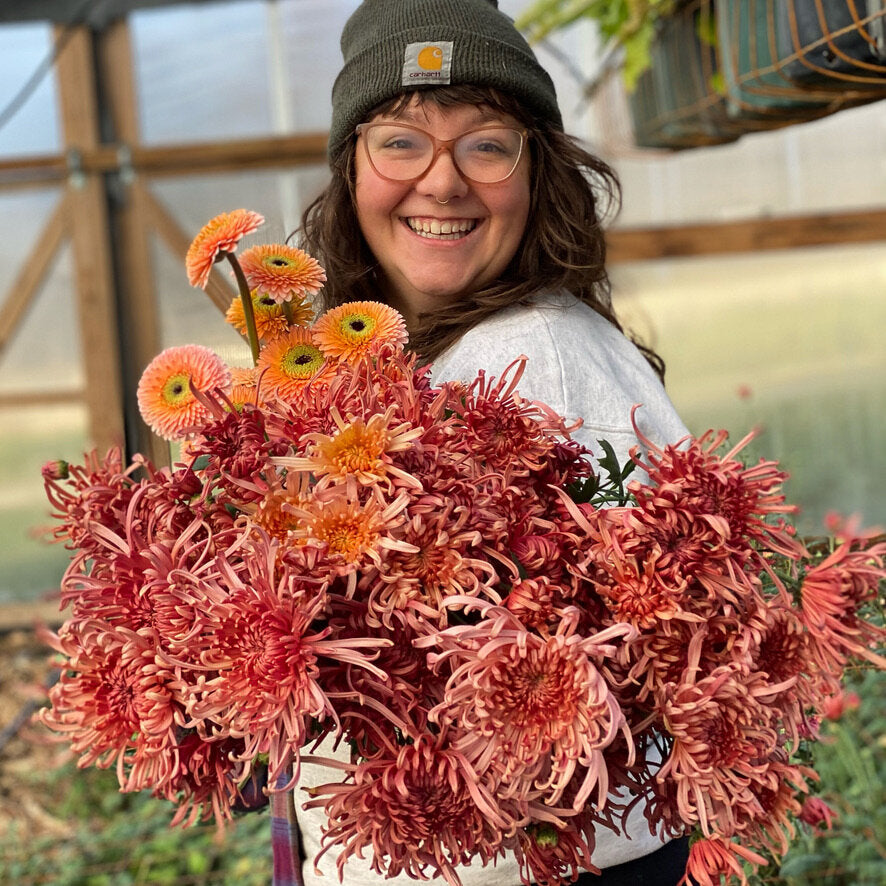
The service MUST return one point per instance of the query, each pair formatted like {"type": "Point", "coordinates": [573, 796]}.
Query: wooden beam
{"type": "Point", "coordinates": [60, 397]}
{"type": "Point", "coordinates": [219, 291]}
{"type": "Point", "coordinates": [90, 241]}
{"type": "Point", "coordinates": [275, 151]}
{"type": "Point", "coordinates": [753, 235]}
{"type": "Point", "coordinates": [33, 271]}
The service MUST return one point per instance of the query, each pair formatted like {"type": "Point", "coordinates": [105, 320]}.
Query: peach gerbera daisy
{"type": "Point", "coordinates": [166, 389]}
{"type": "Point", "coordinates": [359, 328]}
{"type": "Point", "coordinates": [282, 272]}
{"type": "Point", "coordinates": [220, 235]}
{"type": "Point", "coordinates": [270, 318]}
{"type": "Point", "coordinates": [290, 362]}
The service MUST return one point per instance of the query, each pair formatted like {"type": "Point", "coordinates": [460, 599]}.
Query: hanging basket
{"type": "Point", "coordinates": [723, 68]}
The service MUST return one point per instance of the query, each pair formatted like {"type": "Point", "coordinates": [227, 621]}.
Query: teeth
{"type": "Point", "coordinates": [449, 229]}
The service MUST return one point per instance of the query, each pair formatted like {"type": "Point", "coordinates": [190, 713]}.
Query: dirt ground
{"type": "Point", "coordinates": [25, 671]}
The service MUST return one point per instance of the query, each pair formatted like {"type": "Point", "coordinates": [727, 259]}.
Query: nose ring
{"type": "Point", "coordinates": [442, 202]}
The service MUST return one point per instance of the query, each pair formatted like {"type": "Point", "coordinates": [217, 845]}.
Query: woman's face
{"type": "Point", "coordinates": [422, 272]}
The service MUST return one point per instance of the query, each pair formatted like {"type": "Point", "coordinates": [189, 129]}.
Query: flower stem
{"type": "Point", "coordinates": [287, 312]}
{"type": "Point", "coordinates": [246, 299]}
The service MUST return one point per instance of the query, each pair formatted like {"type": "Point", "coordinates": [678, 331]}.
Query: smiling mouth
{"type": "Point", "coordinates": [435, 229]}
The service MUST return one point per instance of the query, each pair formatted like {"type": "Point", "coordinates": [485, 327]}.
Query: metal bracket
{"type": "Point", "coordinates": [76, 174]}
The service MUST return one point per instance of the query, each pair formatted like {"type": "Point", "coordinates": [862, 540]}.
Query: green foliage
{"type": "Point", "coordinates": [629, 24]}
{"type": "Point", "coordinates": [116, 839]}
{"type": "Point", "coordinates": [851, 759]}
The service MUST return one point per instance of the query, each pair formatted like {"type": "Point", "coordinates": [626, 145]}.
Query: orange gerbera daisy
{"type": "Point", "coordinates": [289, 362]}
{"type": "Point", "coordinates": [359, 328]}
{"type": "Point", "coordinates": [270, 318]}
{"type": "Point", "coordinates": [282, 272]}
{"type": "Point", "coordinates": [218, 236]}
{"type": "Point", "coordinates": [166, 389]}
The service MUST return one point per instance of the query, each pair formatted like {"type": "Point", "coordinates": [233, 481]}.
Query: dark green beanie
{"type": "Point", "coordinates": [394, 46]}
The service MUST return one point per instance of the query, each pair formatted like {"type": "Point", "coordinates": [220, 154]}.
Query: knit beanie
{"type": "Point", "coordinates": [394, 46]}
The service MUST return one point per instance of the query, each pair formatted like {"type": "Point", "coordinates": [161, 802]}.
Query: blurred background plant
{"type": "Point", "coordinates": [626, 26]}
{"type": "Point", "coordinates": [105, 838]}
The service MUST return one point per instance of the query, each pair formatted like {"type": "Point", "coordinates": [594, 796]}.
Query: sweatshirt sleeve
{"type": "Point", "coordinates": [578, 363]}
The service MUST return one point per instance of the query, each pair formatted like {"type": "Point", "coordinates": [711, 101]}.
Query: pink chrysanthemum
{"type": "Point", "coordinates": [282, 272]}
{"type": "Point", "coordinates": [357, 329]}
{"type": "Point", "coordinates": [712, 858]}
{"type": "Point", "coordinates": [420, 810]}
{"type": "Point", "coordinates": [260, 641]}
{"type": "Point", "coordinates": [360, 450]}
{"type": "Point", "coordinates": [217, 237]}
{"type": "Point", "coordinates": [831, 595]}
{"type": "Point", "coordinates": [722, 737]}
{"type": "Point", "coordinates": [533, 709]}
{"type": "Point", "coordinates": [114, 705]}
{"type": "Point", "coordinates": [165, 396]}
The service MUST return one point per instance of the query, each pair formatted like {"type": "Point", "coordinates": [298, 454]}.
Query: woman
{"type": "Point", "coordinates": [457, 199]}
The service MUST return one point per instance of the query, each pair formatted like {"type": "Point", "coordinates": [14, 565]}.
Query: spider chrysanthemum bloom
{"type": "Point", "coordinates": [531, 708]}
{"type": "Point", "coordinates": [831, 594]}
{"type": "Point", "coordinates": [261, 643]}
{"type": "Point", "coordinates": [282, 272]}
{"type": "Point", "coordinates": [289, 363]}
{"type": "Point", "coordinates": [550, 856]}
{"type": "Point", "coordinates": [712, 858]}
{"type": "Point", "coordinates": [722, 737]}
{"type": "Point", "coordinates": [358, 329]}
{"type": "Point", "coordinates": [359, 449]}
{"type": "Point", "coordinates": [720, 488]}
{"type": "Point", "coordinates": [499, 429]}
{"type": "Point", "coordinates": [113, 704]}
{"type": "Point", "coordinates": [420, 809]}
{"type": "Point", "coordinates": [270, 319]}
{"type": "Point", "coordinates": [204, 785]}
{"type": "Point", "coordinates": [165, 391]}
{"type": "Point", "coordinates": [352, 533]}
{"type": "Point", "coordinates": [219, 236]}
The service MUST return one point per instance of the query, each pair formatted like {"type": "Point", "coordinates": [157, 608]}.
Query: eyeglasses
{"type": "Point", "coordinates": [400, 152]}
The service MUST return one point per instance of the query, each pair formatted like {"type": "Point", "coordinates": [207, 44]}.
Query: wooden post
{"type": "Point", "coordinates": [90, 243]}
{"type": "Point", "coordinates": [137, 303]}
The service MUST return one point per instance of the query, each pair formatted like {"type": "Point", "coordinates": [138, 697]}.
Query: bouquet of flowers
{"type": "Point", "coordinates": [517, 650]}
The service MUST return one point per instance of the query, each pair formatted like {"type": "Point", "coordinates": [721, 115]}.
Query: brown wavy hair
{"type": "Point", "coordinates": [563, 246]}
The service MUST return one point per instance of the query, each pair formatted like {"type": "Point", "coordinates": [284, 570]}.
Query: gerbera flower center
{"type": "Point", "coordinates": [301, 361]}
{"type": "Point", "coordinates": [357, 326]}
{"type": "Point", "coordinates": [176, 391]}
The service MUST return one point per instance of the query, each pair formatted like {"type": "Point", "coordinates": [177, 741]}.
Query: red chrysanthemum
{"type": "Point", "coordinates": [532, 709]}
{"type": "Point", "coordinates": [712, 858]}
{"type": "Point", "coordinates": [420, 809]}
{"type": "Point", "coordinates": [831, 595]}
{"type": "Point", "coordinates": [722, 737]}
{"type": "Point", "coordinates": [220, 235]}
{"type": "Point", "coordinates": [166, 390]}
{"type": "Point", "coordinates": [259, 639]}
{"type": "Point", "coordinates": [113, 703]}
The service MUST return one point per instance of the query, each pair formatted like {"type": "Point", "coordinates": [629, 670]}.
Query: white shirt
{"type": "Point", "coordinates": [580, 365]}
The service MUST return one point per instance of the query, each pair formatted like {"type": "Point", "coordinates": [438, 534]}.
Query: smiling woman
{"type": "Point", "coordinates": [457, 199]}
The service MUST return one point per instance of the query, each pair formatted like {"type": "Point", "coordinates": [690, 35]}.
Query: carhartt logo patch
{"type": "Point", "coordinates": [427, 63]}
